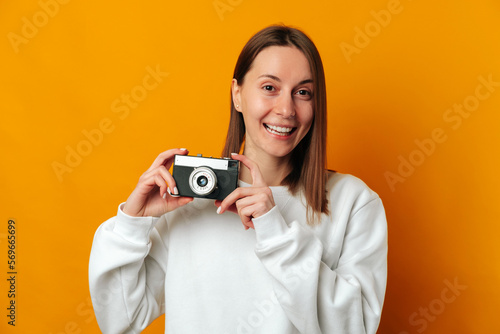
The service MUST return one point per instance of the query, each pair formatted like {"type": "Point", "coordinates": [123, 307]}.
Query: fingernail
{"type": "Point", "coordinates": [164, 195]}
{"type": "Point", "coordinates": [234, 153]}
{"type": "Point", "coordinates": [219, 209]}
{"type": "Point", "coordinates": [176, 192]}
{"type": "Point", "coordinates": [183, 149]}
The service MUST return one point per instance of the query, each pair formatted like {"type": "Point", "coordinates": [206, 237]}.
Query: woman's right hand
{"type": "Point", "coordinates": [150, 196]}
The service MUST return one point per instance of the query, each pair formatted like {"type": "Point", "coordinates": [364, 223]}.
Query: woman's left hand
{"type": "Point", "coordinates": [248, 202]}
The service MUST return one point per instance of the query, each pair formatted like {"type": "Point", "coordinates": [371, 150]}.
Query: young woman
{"type": "Point", "coordinates": [312, 256]}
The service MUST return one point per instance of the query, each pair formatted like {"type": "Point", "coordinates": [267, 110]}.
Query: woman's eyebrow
{"type": "Point", "coordinates": [306, 81]}
{"type": "Point", "coordinates": [270, 76]}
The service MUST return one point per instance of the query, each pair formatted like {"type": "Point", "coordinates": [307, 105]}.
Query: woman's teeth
{"type": "Point", "coordinates": [278, 130]}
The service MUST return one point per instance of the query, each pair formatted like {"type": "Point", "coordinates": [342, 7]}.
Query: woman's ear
{"type": "Point", "coordinates": [236, 91]}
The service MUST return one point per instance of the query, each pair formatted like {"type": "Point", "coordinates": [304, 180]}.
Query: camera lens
{"type": "Point", "coordinates": [202, 181]}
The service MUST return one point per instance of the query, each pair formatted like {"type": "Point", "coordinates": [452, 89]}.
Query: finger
{"type": "Point", "coordinates": [149, 177]}
{"type": "Point", "coordinates": [176, 202]}
{"type": "Point", "coordinates": [231, 208]}
{"type": "Point", "coordinates": [250, 207]}
{"type": "Point", "coordinates": [247, 223]}
{"type": "Point", "coordinates": [165, 158]}
{"type": "Point", "coordinates": [237, 194]}
{"type": "Point", "coordinates": [247, 213]}
{"type": "Point", "coordinates": [257, 178]}
{"type": "Point", "coordinates": [169, 180]}
{"type": "Point", "coordinates": [160, 182]}
{"type": "Point", "coordinates": [245, 220]}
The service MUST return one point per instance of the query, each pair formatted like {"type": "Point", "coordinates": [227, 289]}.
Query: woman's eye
{"type": "Point", "coordinates": [269, 88]}
{"type": "Point", "coordinates": [303, 92]}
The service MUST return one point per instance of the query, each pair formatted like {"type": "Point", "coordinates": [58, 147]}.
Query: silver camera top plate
{"type": "Point", "coordinates": [190, 161]}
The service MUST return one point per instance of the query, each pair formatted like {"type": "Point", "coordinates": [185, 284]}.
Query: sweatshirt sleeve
{"type": "Point", "coordinates": [125, 278]}
{"type": "Point", "coordinates": [344, 299]}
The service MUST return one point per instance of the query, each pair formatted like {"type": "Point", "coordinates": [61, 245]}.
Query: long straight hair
{"type": "Point", "coordinates": [308, 159]}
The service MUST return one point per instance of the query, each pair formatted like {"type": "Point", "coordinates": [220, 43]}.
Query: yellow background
{"type": "Point", "coordinates": [393, 91]}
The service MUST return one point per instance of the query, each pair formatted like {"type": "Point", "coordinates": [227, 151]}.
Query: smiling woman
{"type": "Point", "coordinates": [274, 51]}
{"type": "Point", "coordinates": [277, 108]}
{"type": "Point", "coordinates": [312, 257]}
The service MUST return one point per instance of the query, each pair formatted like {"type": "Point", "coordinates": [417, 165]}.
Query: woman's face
{"type": "Point", "coordinates": [276, 100]}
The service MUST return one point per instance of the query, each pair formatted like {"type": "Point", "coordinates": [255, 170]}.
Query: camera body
{"type": "Point", "coordinates": [198, 176]}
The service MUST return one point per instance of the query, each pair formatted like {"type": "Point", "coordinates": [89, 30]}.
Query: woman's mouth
{"type": "Point", "coordinates": [278, 130]}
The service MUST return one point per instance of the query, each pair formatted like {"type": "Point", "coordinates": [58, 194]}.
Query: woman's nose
{"type": "Point", "coordinates": [285, 107]}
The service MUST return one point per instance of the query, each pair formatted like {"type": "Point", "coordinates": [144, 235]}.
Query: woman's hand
{"type": "Point", "coordinates": [150, 196]}
{"type": "Point", "coordinates": [248, 202]}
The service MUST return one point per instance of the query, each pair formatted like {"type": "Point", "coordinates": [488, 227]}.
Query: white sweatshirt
{"type": "Point", "coordinates": [210, 275]}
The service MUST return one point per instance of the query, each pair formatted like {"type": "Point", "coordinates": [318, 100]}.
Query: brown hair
{"type": "Point", "coordinates": [308, 159]}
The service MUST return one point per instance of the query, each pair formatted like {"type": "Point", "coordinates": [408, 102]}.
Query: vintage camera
{"type": "Point", "coordinates": [198, 176]}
